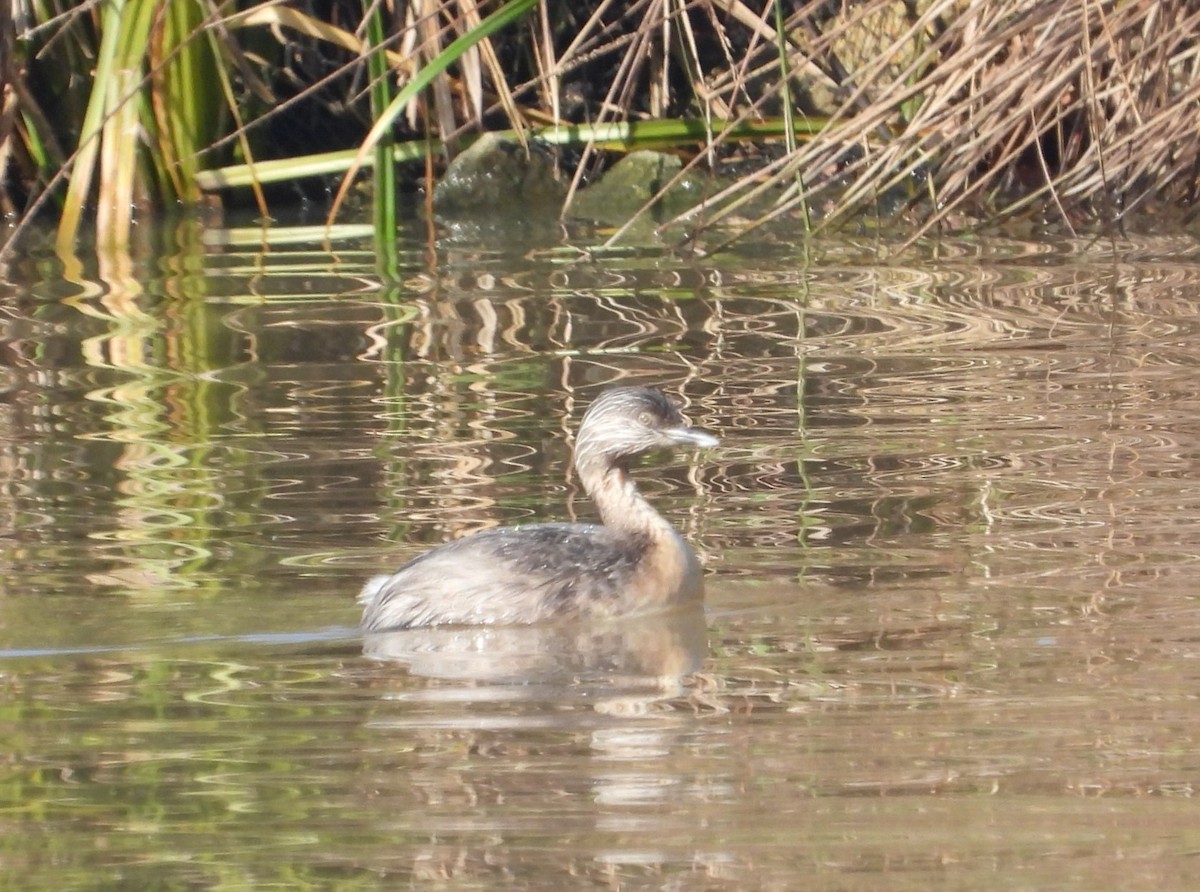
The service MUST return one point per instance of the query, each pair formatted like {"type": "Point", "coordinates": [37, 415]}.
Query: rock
{"type": "Point", "coordinates": [495, 173]}
{"type": "Point", "coordinates": [630, 183]}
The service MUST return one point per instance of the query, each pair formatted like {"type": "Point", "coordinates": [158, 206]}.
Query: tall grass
{"type": "Point", "coordinates": [1077, 110]}
{"type": "Point", "coordinates": [384, 203]}
{"type": "Point", "coordinates": [113, 106]}
{"type": "Point", "coordinates": [940, 112]}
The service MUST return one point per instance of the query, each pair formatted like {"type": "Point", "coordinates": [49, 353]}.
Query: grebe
{"type": "Point", "coordinates": [633, 562]}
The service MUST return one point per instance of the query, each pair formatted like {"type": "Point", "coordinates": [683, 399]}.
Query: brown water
{"type": "Point", "coordinates": [952, 635]}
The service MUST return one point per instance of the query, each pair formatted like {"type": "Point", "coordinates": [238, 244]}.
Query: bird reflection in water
{"type": "Point", "coordinates": [655, 651]}
{"type": "Point", "coordinates": [557, 601]}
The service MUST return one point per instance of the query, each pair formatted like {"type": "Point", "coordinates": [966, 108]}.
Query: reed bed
{"type": "Point", "coordinates": [927, 113]}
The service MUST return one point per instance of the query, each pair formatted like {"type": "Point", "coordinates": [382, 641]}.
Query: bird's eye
{"type": "Point", "coordinates": [645, 418]}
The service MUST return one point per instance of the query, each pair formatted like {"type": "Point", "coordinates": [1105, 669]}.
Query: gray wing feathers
{"type": "Point", "coordinates": [502, 577]}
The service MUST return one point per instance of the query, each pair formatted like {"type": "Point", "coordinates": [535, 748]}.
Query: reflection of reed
{"type": "Point", "coordinates": [952, 521]}
{"type": "Point", "coordinates": [154, 533]}
{"type": "Point", "coordinates": [479, 432]}
{"type": "Point", "coordinates": [865, 408]}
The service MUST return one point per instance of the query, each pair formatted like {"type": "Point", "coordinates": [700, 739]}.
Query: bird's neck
{"type": "Point", "coordinates": [622, 508]}
{"type": "Point", "coordinates": [667, 570]}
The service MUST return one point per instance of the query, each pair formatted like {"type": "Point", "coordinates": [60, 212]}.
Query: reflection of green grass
{"type": "Point", "coordinates": [165, 413]}
{"type": "Point", "coordinates": [145, 767]}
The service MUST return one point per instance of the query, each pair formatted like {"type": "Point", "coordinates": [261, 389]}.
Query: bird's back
{"type": "Point", "coordinates": [514, 575]}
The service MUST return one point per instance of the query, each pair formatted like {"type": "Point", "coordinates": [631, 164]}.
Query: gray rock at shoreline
{"type": "Point", "coordinates": [496, 174]}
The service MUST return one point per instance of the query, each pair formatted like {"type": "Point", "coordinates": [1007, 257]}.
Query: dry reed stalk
{"type": "Point", "coordinates": [953, 110]}
{"type": "Point", "coordinates": [1085, 106]}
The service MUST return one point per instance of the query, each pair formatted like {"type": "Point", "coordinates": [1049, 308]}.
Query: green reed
{"type": "Point", "coordinates": [384, 200]}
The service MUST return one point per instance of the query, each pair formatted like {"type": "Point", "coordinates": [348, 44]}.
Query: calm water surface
{"type": "Point", "coordinates": [952, 635]}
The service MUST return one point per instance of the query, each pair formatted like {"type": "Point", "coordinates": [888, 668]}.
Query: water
{"type": "Point", "coordinates": [951, 635]}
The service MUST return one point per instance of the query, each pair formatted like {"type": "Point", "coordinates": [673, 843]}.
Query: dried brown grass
{"type": "Point", "coordinates": [946, 111]}
{"type": "Point", "coordinates": [965, 111]}
{"type": "Point", "coordinates": [954, 112]}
